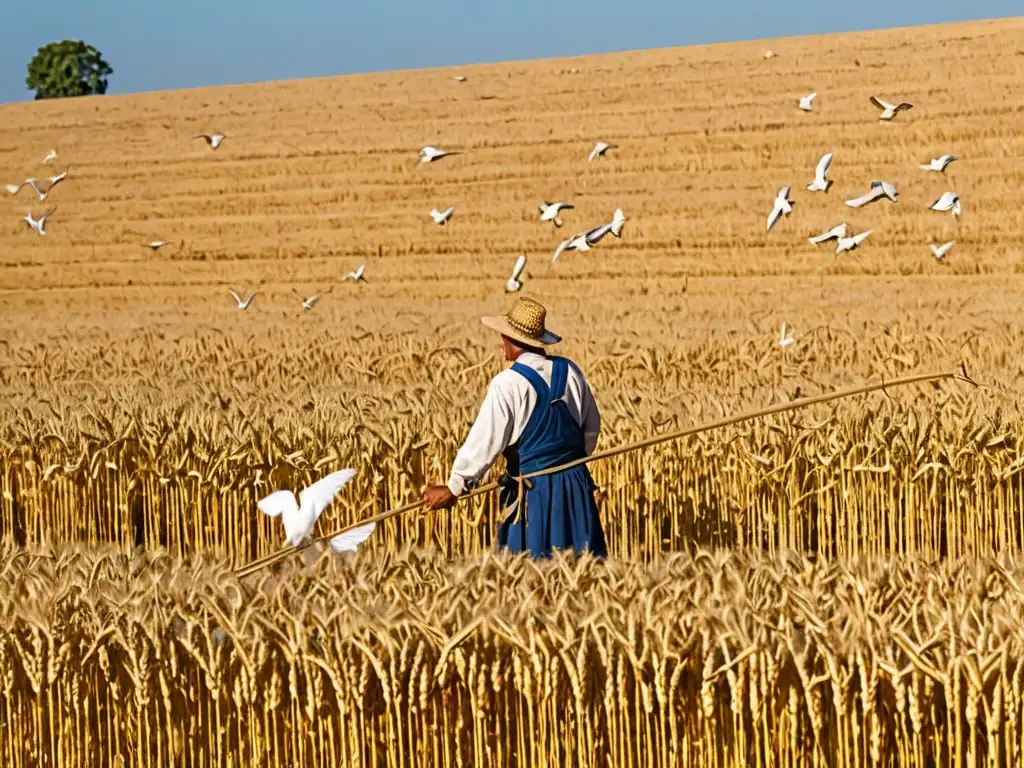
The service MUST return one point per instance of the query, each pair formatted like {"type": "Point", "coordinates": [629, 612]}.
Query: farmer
{"type": "Point", "coordinates": [539, 413]}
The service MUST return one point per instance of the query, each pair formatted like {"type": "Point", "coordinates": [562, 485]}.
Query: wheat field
{"type": "Point", "coordinates": [720, 659]}
{"type": "Point", "coordinates": [142, 411]}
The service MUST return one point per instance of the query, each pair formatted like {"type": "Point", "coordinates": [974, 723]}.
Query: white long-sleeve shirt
{"type": "Point", "coordinates": [505, 412]}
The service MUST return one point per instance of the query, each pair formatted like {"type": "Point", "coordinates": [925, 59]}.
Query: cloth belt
{"type": "Point", "coordinates": [521, 484]}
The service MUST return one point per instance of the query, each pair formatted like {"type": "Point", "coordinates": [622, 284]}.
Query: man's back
{"type": "Point", "coordinates": [521, 397]}
{"type": "Point", "coordinates": [506, 410]}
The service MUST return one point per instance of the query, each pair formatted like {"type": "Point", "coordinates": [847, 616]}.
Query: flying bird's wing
{"type": "Point", "coordinates": [823, 167]}
{"type": "Point", "coordinates": [234, 295]}
{"type": "Point", "coordinates": [350, 540]}
{"type": "Point", "coordinates": [858, 239]}
{"type": "Point", "coordinates": [316, 497]}
{"type": "Point", "coordinates": [618, 222]}
{"type": "Point", "coordinates": [881, 104]}
{"type": "Point", "coordinates": [520, 265]}
{"type": "Point", "coordinates": [839, 230]}
{"type": "Point", "coordinates": [903, 105]}
{"type": "Point", "coordinates": [277, 503]}
{"type": "Point", "coordinates": [774, 216]}
{"type": "Point", "coordinates": [595, 235]}
{"type": "Point", "coordinates": [873, 194]}
{"type": "Point", "coordinates": [561, 247]}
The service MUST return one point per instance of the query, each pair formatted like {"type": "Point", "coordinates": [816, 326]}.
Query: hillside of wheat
{"type": "Point", "coordinates": [142, 407]}
{"type": "Point", "coordinates": [837, 585]}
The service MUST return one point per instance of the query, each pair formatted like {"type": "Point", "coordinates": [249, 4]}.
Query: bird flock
{"type": "Point", "coordinates": [549, 212]}
{"type": "Point", "coordinates": [878, 189]}
{"type": "Point", "coordinates": [42, 188]}
{"type": "Point", "coordinates": [584, 240]}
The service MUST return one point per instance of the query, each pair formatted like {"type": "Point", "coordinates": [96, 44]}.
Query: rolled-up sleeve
{"type": "Point", "coordinates": [488, 437]}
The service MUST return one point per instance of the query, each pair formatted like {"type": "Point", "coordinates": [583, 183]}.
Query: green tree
{"type": "Point", "coordinates": [67, 68]}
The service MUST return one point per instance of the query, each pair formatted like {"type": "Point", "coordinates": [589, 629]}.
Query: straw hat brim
{"type": "Point", "coordinates": [501, 325]}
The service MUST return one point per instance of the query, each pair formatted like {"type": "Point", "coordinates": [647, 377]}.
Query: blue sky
{"type": "Point", "coordinates": [159, 44]}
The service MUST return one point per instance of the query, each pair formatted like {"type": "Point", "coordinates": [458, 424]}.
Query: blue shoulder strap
{"type": "Point", "coordinates": [559, 377]}
{"type": "Point", "coordinates": [534, 378]}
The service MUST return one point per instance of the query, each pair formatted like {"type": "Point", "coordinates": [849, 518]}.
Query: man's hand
{"type": "Point", "coordinates": [439, 497]}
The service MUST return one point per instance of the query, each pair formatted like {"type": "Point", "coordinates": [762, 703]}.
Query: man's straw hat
{"type": "Point", "coordinates": [524, 323]}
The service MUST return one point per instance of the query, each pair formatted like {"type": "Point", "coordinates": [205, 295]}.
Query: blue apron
{"type": "Point", "coordinates": [559, 511]}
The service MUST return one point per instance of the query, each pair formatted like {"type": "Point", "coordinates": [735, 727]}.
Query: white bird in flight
{"type": "Point", "coordinates": [785, 339]}
{"type": "Point", "coordinates": [782, 205]}
{"type": "Point", "coordinates": [213, 139]}
{"type": "Point", "coordinates": [820, 183]}
{"type": "Point", "coordinates": [879, 189]}
{"type": "Point", "coordinates": [839, 230]}
{"type": "Point", "coordinates": [849, 243]}
{"type": "Point", "coordinates": [39, 225]}
{"type": "Point", "coordinates": [459, 78]}
{"type": "Point", "coordinates": [52, 182]}
{"type": "Point", "coordinates": [50, 157]}
{"type": "Point", "coordinates": [357, 275]}
{"type": "Point", "coordinates": [13, 189]}
{"type": "Point", "coordinates": [939, 163]}
{"type": "Point", "coordinates": [300, 517]}
{"type": "Point", "coordinates": [805, 101]}
{"type": "Point", "coordinates": [441, 217]}
{"type": "Point", "coordinates": [584, 240]}
{"type": "Point", "coordinates": [549, 212]}
{"type": "Point", "coordinates": [55, 180]}
{"type": "Point", "coordinates": [243, 303]}
{"type": "Point", "coordinates": [429, 154]}
{"type": "Point", "coordinates": [940, 251]}
{"type": "Point", "coordinates": [156, 245]}
{"type": "Point", "coordinates": [889, 111]}
{"type": "Point", "coordinates": [312, 300]}
{"type": "Point", "coordinates": [599, 149]}
{"type": "Point", "coordinates": [513, 284]}
{"type": "Point", "coordinates": [769, 54]}
{"type": "Point", "coordinates": [950, 201]}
